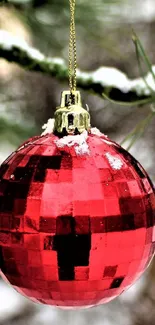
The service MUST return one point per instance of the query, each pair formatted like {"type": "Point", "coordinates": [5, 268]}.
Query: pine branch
{"type": "Point", "coordinates": [110, 81]}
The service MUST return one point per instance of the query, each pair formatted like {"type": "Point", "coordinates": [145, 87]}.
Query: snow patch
{"type": "Point", "coordinates": [58, 61]}
{"type": "Point", "coordinates": [97, 132]}
{"type": "Point", "coordinates": [114, 162]}
{"type": "Point", "coordinates": [112, 77]}
{"type": "Point", "coordinates": [48, 127]}
{"type": "Point", "coordinates": [105, 76]}
{"type": "Point", "coordinates": [8, 41]}
{"type": "Point", "coordinates": [35, 54]}
{"type": "Point", "coordinates": [79, 142]}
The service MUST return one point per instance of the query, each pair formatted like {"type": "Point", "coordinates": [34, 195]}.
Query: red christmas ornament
{"type": "Point", "coordinates": [76, 216]}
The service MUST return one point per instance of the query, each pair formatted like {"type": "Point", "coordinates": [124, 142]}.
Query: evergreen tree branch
{"type": "Point", "coordinates": [106, 82]}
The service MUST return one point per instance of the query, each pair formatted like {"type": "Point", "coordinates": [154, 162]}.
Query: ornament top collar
{"type": "Point", "coordinates": [70, 117]}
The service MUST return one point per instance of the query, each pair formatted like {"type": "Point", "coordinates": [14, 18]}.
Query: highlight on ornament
{"type": "Point", "coordinates": [76, 214]}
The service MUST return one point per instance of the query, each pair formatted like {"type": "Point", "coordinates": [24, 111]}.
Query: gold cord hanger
{"type": "Point", "coordinates": [70, 117]}
{"type": "Point", "coordinates": [72, 49]}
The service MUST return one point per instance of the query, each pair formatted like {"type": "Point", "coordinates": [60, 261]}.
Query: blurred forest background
{"type": "Point", "coordinates": [28, 99]}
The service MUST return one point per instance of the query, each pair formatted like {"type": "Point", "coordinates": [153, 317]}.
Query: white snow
{"type": "Point", "coordinates": [105, 76]}
{"type": "Point", "coordinates": [48, 127]}
{"type": "Point", "coordinates": [8, 40]}
{"type": "Point", "coordinates": [56, 61]}
{"type": "Point", "coordinates": [112, 77]}
{"type": "Point", "coordinates": [35, 54]}
{"type": "Point", "coordinates": [79, 142]}
{"type": "Point", "coordinates": [114, 162]}
{"type": "Point", "coordinates": [96, 131]}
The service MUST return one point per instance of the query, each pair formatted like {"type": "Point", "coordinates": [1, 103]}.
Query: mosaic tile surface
{"type": "Point", "coordinates": [75, 231]}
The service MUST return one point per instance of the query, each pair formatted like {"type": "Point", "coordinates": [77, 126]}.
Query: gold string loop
{"type": "Point", "coordinates": [72, 49]}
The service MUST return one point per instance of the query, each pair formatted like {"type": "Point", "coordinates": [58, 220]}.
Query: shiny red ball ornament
{"type": "Point", "coordinates": [75, 230]}
{"type": "Point", "coordinates": [76, 219]}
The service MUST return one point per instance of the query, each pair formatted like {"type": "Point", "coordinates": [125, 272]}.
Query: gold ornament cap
{"type": "Point", "coordinates": [70, 117]}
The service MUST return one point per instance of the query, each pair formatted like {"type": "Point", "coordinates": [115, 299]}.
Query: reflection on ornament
{"type": "Point", "coordinates": [114, 162]}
